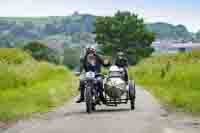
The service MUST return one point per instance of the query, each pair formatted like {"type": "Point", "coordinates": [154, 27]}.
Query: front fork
{"type": "Point", "coordinates": [91, 85]}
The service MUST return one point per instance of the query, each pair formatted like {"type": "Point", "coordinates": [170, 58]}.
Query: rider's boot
{"type": "Point", "coordinates": [102, 98]}
{"type": "Point", "coordinates": [101, 90]}
{"type": "Point", "coordinates": [81, 99]}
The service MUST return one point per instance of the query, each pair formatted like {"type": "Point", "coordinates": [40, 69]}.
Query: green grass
{"type": "Point", "coordinates": [174, 79]}
{"type": "Point", "coordinates": [28, 86]}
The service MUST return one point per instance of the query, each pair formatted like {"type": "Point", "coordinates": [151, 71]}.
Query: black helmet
{"type": "Point", "coordinates": [91, 50]}
{"type": "Point", "coordinates": [120, 55]}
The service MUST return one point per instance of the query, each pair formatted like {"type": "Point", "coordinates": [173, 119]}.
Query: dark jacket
{"type": "Point", "coordinates": [88, 67]}
{"type": "Point", "coordinates": [121, 62]}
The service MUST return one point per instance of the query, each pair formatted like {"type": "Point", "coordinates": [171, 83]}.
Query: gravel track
{"type": "Point", "coordinates": [148, 117]}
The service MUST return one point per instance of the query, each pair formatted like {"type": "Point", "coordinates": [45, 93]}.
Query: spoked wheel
{"type": "Point", "coordinates": [88, 99]}
{"type": "Point", "coordinates": [132, 93]}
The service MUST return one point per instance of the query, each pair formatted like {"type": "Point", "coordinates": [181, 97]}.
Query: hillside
{"type": "Point", "coordinates": [28, 86]}
{"type": "Point", "coordinates": [166, 31]}
{"type": "Point", "coordinates": [197, 37]}
{"type": "Point", "coordinates": [72, 30]}
{"type": "Point", "coordinates": [174, 79]}
{"type": "Point", "coordinates": [63, 30]}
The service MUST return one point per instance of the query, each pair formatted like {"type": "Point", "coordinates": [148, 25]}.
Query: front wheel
{"type": "Point", "coordinates": [93, 107]}
{"type": "Point", "coordinates": [88, 99]}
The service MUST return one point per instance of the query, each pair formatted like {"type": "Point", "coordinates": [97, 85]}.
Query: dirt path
{"type": "Point", "coordinates": [149, 117]}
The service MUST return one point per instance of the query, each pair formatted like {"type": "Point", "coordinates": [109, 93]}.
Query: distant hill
{"type": "Point", "coordinates": [71, 31]}
{"type": "Point", "coordinates": [65, 29]}
{"type": "Point", "coordinates": [197, 37]}
{"type": "Point", "coordinates": [165, 31]}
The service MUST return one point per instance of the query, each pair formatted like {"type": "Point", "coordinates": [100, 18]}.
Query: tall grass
{"type": "Point", "coordinates": [13, 56]}
{"type": "Point", "coordinates": [28, 86]}
{"type": "Point", "coordinates": [174, 79]}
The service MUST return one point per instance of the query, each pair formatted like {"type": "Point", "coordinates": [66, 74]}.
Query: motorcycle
{"type": "Point", "coordinates": [92, 96]}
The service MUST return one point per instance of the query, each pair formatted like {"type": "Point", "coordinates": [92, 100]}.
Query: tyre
{"type": "Point", "coordinates": [88, 100]}
{"type": "Point", "coordinates": [93, 107]}
{"type": "Point", "coordinates": [132, 104]}
{"type": "Point", "coordinates": [132, 93]}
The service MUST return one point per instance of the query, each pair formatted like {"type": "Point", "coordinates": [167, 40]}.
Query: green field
{"type": "Point", "coordinates": [28, 86]}
{"type": "Point", "coordinates": [174, 79]}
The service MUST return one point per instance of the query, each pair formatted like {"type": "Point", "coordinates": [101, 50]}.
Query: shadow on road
{"type": "Point", "coordinates": [112, 110]}
{"type": "Point", "coordinates": [98, 111]}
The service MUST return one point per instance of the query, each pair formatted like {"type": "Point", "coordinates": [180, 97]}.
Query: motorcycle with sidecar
{"type": "Point", "coordinates": [115, 89]}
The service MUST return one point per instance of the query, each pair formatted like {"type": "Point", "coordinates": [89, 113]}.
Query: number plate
{"type": "Point", "coordinates": [90, 75]}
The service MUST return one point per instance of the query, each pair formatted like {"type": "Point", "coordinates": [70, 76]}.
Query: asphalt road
{"type": "Point", "coordinates": [148, 117]}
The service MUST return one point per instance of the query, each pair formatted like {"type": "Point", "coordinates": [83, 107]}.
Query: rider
{"type": "Point", "coordinates": [94, 66]}
{"type": "Point", "coordinates": [122, 62]}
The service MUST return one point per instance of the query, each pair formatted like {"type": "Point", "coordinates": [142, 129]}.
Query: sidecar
{"type": "Point", "coordinates": [117, 91]}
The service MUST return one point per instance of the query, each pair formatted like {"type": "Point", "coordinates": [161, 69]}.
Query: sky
{"type": "Point", "coordinates": [185, 12]}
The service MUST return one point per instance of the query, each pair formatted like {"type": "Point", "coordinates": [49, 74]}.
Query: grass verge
{"type": "Point", "coordinates": [174, 79]}
{"type": "Point", "coordinates": [28, 86]}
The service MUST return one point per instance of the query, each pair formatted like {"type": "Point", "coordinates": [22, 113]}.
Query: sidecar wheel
{"type": "Point", "coordinates": [132, 104]}
{"type": "Point", "coordinates": [132, 95]}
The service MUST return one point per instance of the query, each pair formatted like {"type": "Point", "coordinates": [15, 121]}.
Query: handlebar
{"type": "Point", "coordinates": [96, 74]}
{"type": "Point", "coordinates": [99, 74]}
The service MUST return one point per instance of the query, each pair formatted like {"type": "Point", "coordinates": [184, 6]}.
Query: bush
{"type": "Point", "coordinates": [29, 72]}
{"type": "Point", "coordinates": [72, 57]}
{"type": "Point", "coordinates": [41, 51]}
{"type": "Point", "coordinates": [13, 56]}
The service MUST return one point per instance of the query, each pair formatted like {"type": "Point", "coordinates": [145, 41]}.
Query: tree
{"type": "Point", "coordinates": [125, 31]}
{"type": "Point", "coordinates": [41, 51]}
{"type": "Point", "coordinates": [72, 57]}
